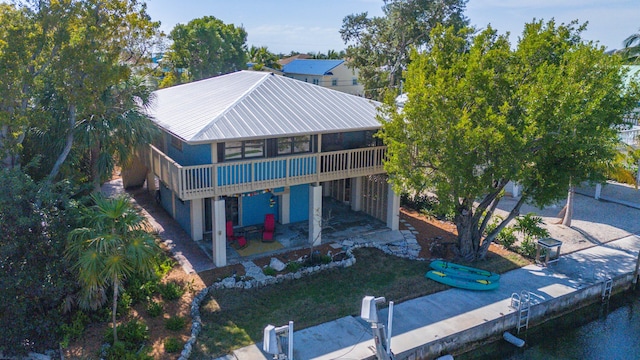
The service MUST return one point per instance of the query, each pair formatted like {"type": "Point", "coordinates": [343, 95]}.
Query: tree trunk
{"type": "Point", "coordinates": [114, 309]}
{"type": "Point", "coordinates": [67, 148]}
{"type": "Point", "coordinates": [566, 220]}
{"type": "Point", "coordinates": [468, 237]}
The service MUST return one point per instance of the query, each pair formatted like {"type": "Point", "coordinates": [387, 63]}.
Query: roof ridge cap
{"type": "Point", "coordinates": [233, 104]}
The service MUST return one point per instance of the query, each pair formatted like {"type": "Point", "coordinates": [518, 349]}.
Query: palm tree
{"type": "Point", "coordinates": [113, 133]}
{"type": "Point", "coordinates": [261, 57]}
{"type": "Point", "coordinates": [632, 47]}
{"type": "Point", "coordinates": [113, 245]}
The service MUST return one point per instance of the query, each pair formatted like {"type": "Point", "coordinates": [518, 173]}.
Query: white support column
{"type": "Point", "coordinates": [515, 192]}
{"type": "Point", "coordinates": [393, 209]}
{"type": "Point", "coordinates": [197, 216]}
{"type": "Point", "coordinates": [598, 191]}
{"type": "Point", "coordinates": [151, 182]}
{"type": "Point", "coordinates": [219, 233]}
{"type": "Point", "coordinates": [315, 214]}
{"type": "Point", "coordinates": [356, 193]}
{"type": "Point", "coordinates": [285, 207]}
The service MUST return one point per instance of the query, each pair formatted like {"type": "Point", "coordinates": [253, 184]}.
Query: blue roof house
{"type": "Point", "coordinates": [332, 74]}
{"type": "Point", "coordinates": [239, 146]}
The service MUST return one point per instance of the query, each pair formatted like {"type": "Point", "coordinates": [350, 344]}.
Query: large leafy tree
{"type": "Point", "coordinates": [207, 47]}
{"type": "Point", "coordinates": [379, 46]}
{"type": "Point", "coordinates": [79, 51]}
{"type": "Point", "coordinates": [34, 278]}
{"type": "Point", "coordinates": [113, 244]}
{"type": "Point", "coordinates": [480, 114]}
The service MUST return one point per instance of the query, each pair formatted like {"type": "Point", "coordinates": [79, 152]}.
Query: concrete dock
{"type": "Point", "coordinates": [437, 324]}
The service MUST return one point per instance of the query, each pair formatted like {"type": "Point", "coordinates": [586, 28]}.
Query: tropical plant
{"type": "Point", "coordinates": [113, 244]}
{"type": "Point", "coordinates": [261, 57]}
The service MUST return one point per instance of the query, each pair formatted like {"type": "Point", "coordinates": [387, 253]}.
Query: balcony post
{"type": "Point", "coordinates": [315, 214]}
{"type": "Point", "coordinates": [356, 193]}
{"type": "Point", "coordinates": [219, 233]}
{"type": "Point", "coordinates": [285, 207]}
{"type": "Point", "coordinates": [197, 215]}
{"type": "Point", "coordinates": [393, 209]}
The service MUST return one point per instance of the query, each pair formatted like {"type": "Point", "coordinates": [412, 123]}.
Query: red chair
{"type": "Point", "coordinates": [269, 228]}
{"type": "Point", "coordinates": [240, 240]}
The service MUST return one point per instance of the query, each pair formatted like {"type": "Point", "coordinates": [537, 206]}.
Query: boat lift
{"type": "Point", "coordinates": [369, 313]}
{"type": "Point", "coordinates": [272, 341]}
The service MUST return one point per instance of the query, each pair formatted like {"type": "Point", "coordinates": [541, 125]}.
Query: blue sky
{"type": "Point", "coordinates": [312, 25]}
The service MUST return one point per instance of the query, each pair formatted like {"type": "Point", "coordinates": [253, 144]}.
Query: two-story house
{"type": "Point", "coordinates": [332, 74]}
{"type": "Point", "coordinates": [239, 146]}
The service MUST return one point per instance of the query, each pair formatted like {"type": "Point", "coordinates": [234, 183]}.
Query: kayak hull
{"type": "Point", "coordinates": [461, 283]}
{"type": "Point", "coordinates": [465, 272]}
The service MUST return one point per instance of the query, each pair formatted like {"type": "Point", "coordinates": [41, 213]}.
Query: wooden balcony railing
{"type": "Point", "coordinates": [192, 182]}
{"type": "Point", "coordinates": [631, 136]}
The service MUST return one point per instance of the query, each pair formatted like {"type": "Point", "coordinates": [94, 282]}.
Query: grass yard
{"type": "Point", "coordinates": [234, 318]}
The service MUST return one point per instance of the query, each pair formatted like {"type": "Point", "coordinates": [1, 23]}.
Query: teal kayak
{"type": "Point", "coordinates": [464, 272]}
{"type": "Point", "coordinates": [461, 283]}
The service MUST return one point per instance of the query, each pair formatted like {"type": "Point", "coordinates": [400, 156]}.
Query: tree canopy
{"type": "Point", "coordinates": [480, 114]}
{"type": "Point", "coordinates": [207, 47]}
{"type": "Point", "coordinates": [379, 46]}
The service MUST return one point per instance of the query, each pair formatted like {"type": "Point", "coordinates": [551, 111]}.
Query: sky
{"type": "Point", "coordinates": [313, 25]}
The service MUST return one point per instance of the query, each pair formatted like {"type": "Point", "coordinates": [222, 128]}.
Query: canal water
{"type": "Point", "coordinates": [592, 333]}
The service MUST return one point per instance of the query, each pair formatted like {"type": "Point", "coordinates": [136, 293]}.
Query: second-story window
{"type": "Point", "coordinates": [238, 150]}
{"type": "Point", "coordinates": [316, 81]}
{"type": "Point", "coordinates": [334, 82]}
{"type": "Point", "coordinates": [294, 145]}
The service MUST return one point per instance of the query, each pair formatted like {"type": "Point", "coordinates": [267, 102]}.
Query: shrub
{"type": "Point", "coordinates": [122, 351]}
{"type": "Point", "coordinates": [140, 289]}
{"type": "Point", "coordinates": [173, 345]}
{"type": "Point", "coordinates": [269, 271]}
{"type": "Point", "coordinates": [175, 323]}
{"type": "Point", "coordinates": [507, 237]}
{"type": "Point", "coordinates": [75, 329]}
{"type": "Point", "coordinates": [170, 291]}
{"type": "Point", "coordinates": [293, 266]}
{"type": "Point", "coordinates": [132, 334]}
{"type": "Point", "coordinates": [154, 308]}
{"type": "Point", "coordinates": [528, 248]}
{"type": "Point", "coordinates": [124, 304]}
{"type": "Point", "coordinates": [530, 226]}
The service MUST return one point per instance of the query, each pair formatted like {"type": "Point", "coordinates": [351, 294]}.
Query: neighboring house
{"type": "Point", "coordinates": [239, 146]}
{"type": "Point", "coordinates": [332, 74]}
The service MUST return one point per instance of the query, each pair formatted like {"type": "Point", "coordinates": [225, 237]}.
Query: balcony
{"type": "Point", "coordinates": [193, 182]}
{"type": "Point", "coordinates": [631, 136]}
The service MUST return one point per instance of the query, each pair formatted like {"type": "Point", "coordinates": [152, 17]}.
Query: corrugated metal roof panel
{"type": "Point", "coordinates": [310, 66]}
{"type": "Point", "coordinates": [249, 104]}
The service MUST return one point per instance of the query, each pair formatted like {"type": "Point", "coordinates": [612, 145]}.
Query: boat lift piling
{"type": "Point", "coordinates": [369, 313]}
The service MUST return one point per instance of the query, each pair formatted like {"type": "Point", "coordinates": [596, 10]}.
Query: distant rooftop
{"type": "Point", "coordinates": [311, 66]}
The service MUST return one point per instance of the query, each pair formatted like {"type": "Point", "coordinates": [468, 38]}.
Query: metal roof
{"type": "Point", "coordinates": [251, 104]}
{"type": "Point", "coordinates": [311, 66]}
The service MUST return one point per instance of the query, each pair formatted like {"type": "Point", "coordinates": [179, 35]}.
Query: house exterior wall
{"type": "Point", "coordinates": [254, 208]}
{"type": "Point", "coordinates": [183, 215]}
{"type": "Point", "coordinates": [299, 203]}
{"type": "Point", "coordinates": [189, 154]}
{"type": "Point", "coordinates": [343, 76]}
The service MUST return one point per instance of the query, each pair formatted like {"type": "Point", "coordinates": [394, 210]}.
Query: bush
{"type": "Point", "coordinates": [132, 334]}
{"type": "Point", "coordinates": [530, 226]}
{"type": "Point", "coordinates": [528, 248]}
{"type": "Point", "coordinates": [140, 289]}
{"type": "Point", "coordinates": [122, 351]}
{"type": "Point", "coordinates": [154, 308]}
{"type": "Point", "coordinates": [173, 345]}
{"type": "Point", "coordinates": [293, 266]}
{"type": "Point", "coordinates": [269, 271]}
{"type": "Point", "coordinates": [507, 237]}
{"type": "Point", "coordinates": [170, 291]}
{"type": "Point", "coordinates": [124, 304]}
{"type": "Point", "coordinates": [175, 323]}
{"type": "Point", "coordinates": [75, 329]}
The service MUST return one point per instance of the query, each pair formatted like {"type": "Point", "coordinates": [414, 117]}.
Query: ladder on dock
{"type": "Point", "coordinates": [521, 303]}
{"type": "Point", "coordinates": [606, 290]}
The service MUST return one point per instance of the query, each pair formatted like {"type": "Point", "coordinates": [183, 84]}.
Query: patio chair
{"type": "Point", "coordinates": [240, 240]}
{"type": "Point", "coordinates": [269, 228]}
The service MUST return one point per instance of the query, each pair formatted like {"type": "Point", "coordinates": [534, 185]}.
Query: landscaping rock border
{"type": "Point", "coordinates": [407, 248]}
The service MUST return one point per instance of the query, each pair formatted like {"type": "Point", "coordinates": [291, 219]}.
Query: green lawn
{"type": "Point", "coordinates": [235, 318]}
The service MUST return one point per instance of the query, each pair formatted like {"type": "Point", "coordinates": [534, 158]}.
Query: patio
{"type": "Point", "coordinates": [341, 223]}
